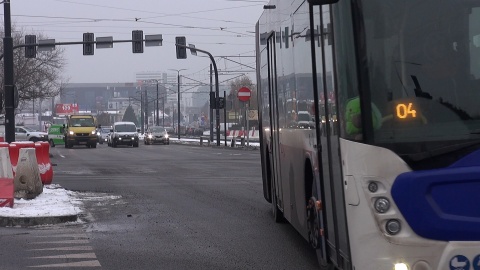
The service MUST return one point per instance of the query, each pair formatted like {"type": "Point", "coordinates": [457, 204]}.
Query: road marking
{"type": "Point", "coordinates": [64, 242]}
{"type": "Point", "coordinates": [79, 235]}
{"type": "Point", "coordinates": [73, 264]}
{"type": "Point", "coordinates": [68, 256]}
{"type": "Point", "coordinates": [70, 252]}
{"type": "Point", "coordinates": [75, 248]}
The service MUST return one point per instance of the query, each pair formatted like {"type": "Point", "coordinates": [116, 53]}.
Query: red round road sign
{"type": "Point", "coordinates": [244, 94]}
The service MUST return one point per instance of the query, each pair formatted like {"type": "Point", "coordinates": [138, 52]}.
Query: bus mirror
{"type": "Point", "coordinates": [322, 2]}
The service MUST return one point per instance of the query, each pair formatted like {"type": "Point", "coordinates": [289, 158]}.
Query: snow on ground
{"type": "Point", "coordinates": [53, 202]}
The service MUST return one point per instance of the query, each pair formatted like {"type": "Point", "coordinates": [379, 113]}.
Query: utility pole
{"type": "Point", "coordinates": [163, 108]}
{"type": "Point", "coordinates": [141, 113]}
{"type": "Point", "coordinates": [178, 101]}
{"type": "Point", "coordinates": [158, 117]}
{"type": "Point", "coordinates": [8, 75]}
{"type": "Point", "coordinates": [178, 104]}
{"type": "Point", "coordinates": [146, 107]}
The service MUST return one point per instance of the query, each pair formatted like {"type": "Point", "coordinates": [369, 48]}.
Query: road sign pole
{"type": "Point", "coordinates": [248, 124]}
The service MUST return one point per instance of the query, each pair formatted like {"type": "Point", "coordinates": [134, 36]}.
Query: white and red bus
{"type": "Point", "coordinates": [394, 182]}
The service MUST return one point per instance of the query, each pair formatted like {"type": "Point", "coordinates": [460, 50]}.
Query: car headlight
{"type": "Point", "coordinates": [94, 132]}
{"type": "Point", "coordinates": [133, 138]}
{"type": "Point", "coordinates": [71, 132]}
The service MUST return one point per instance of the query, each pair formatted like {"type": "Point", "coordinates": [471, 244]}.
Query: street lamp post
{"type": "Point", "coordinates": [178, 101]}
{"type": "Point", "coordinates": [8, 74]}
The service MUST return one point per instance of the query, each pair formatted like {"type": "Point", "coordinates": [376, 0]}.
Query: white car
{"type": "Point", "coordinates": [123, 133]}
{"type": "Point", "coordinates": [29, 134]}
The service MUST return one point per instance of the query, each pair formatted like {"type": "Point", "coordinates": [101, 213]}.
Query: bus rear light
{"type": "Point", "coordinates": [382, 205]}
{"type": "Point", "coordinates": [393, 226]}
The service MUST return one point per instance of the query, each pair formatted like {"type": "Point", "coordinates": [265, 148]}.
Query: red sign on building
{"type": "Point", "coordinates": [66, 109]}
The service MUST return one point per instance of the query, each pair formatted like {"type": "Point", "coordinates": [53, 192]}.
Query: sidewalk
{"type": "Point", "coordinates": [53, 206]}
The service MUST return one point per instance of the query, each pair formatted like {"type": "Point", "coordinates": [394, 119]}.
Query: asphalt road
{"type": "Point", "coordinates": [160, 207]}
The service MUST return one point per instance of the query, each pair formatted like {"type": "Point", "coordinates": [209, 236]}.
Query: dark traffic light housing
{"type": "Point", "coordinates": [213, 102]}
{"type": "Point", "coordinates": [30, 50]}
{"type": "Point", "coordinates": [221, 103]}
{"type": "Point", "coordinates": [137, 41]}
{"type": "Point", "coordinates": [88, 44]}
{"type": "Point", "coordinates": [181, 51]}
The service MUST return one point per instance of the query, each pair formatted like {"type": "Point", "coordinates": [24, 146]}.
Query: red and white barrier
{"type": "Point", "coordinates": [35, 166]}
{"type": "Point", "coordinates": [6, 179]}
{"type": "Point", "coordinates": [6, 192]}
{"type": "Point", "coordinates": [42, 151]}
{"type": "Point", "coordinates": [253, 134]}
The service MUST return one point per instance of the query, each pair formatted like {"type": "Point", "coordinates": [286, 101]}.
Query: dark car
{"type": "Point", "coordinates": [157, 134]}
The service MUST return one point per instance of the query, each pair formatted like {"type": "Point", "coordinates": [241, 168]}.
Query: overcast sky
{"type": "Point", "coordinates": [222, 27]}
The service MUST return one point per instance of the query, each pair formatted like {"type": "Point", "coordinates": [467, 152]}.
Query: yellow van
{"type": "Point", "coordinates": [81, 130]}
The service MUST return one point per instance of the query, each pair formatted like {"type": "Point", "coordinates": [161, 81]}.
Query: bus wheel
{"type": "Point", "coordinates": [313, 228]}
{"type": "Point", "coordinates": [313, 222]}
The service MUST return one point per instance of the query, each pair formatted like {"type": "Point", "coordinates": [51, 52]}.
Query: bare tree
{"type": "Point", "coordinates": [35, 78]}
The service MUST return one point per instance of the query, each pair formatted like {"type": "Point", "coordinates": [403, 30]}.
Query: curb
{"type": "Point", "coordinates": [35, 221]}
{"type": "Point", "coordinates": [222, 145]}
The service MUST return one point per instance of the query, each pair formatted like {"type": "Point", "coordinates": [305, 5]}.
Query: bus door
{"type": "Point", "coordinates": [337, 248]}
{"type": "Point", "coordinates": [274, 120]}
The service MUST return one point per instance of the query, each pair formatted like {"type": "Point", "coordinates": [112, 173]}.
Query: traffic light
{"type": "Point", "coordinates": [88, 44]}
{"type": "Point", "coordinates": [213, 103]}
{"type": "Point", "coordinates": [137, 41]}
{"type": "Point", "coordinates": [221, 103]}
{"type": "Point", "coordinates": [30, 50]}
{"type": "Point", "coordinates": [181, 51]}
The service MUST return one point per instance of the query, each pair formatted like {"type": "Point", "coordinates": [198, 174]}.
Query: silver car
{"type": "Point", "coordinates": [102, 134]}
{"type": "Point", "coordinates": [157, 134]}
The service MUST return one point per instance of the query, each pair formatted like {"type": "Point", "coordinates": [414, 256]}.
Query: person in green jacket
{"type": "Point", "coordinates": [354, 119]}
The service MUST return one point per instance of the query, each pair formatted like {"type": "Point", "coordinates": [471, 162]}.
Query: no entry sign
{"type": "Point", "coordinates": [244, 94]}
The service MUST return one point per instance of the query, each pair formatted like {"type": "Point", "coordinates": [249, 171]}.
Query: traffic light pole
{"type": "Point", "coordinates": [8, 75]}
{"type": "Point", "coordinates": [211, 107]}
{"type": "Point", "coordinates": [217, 90]}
